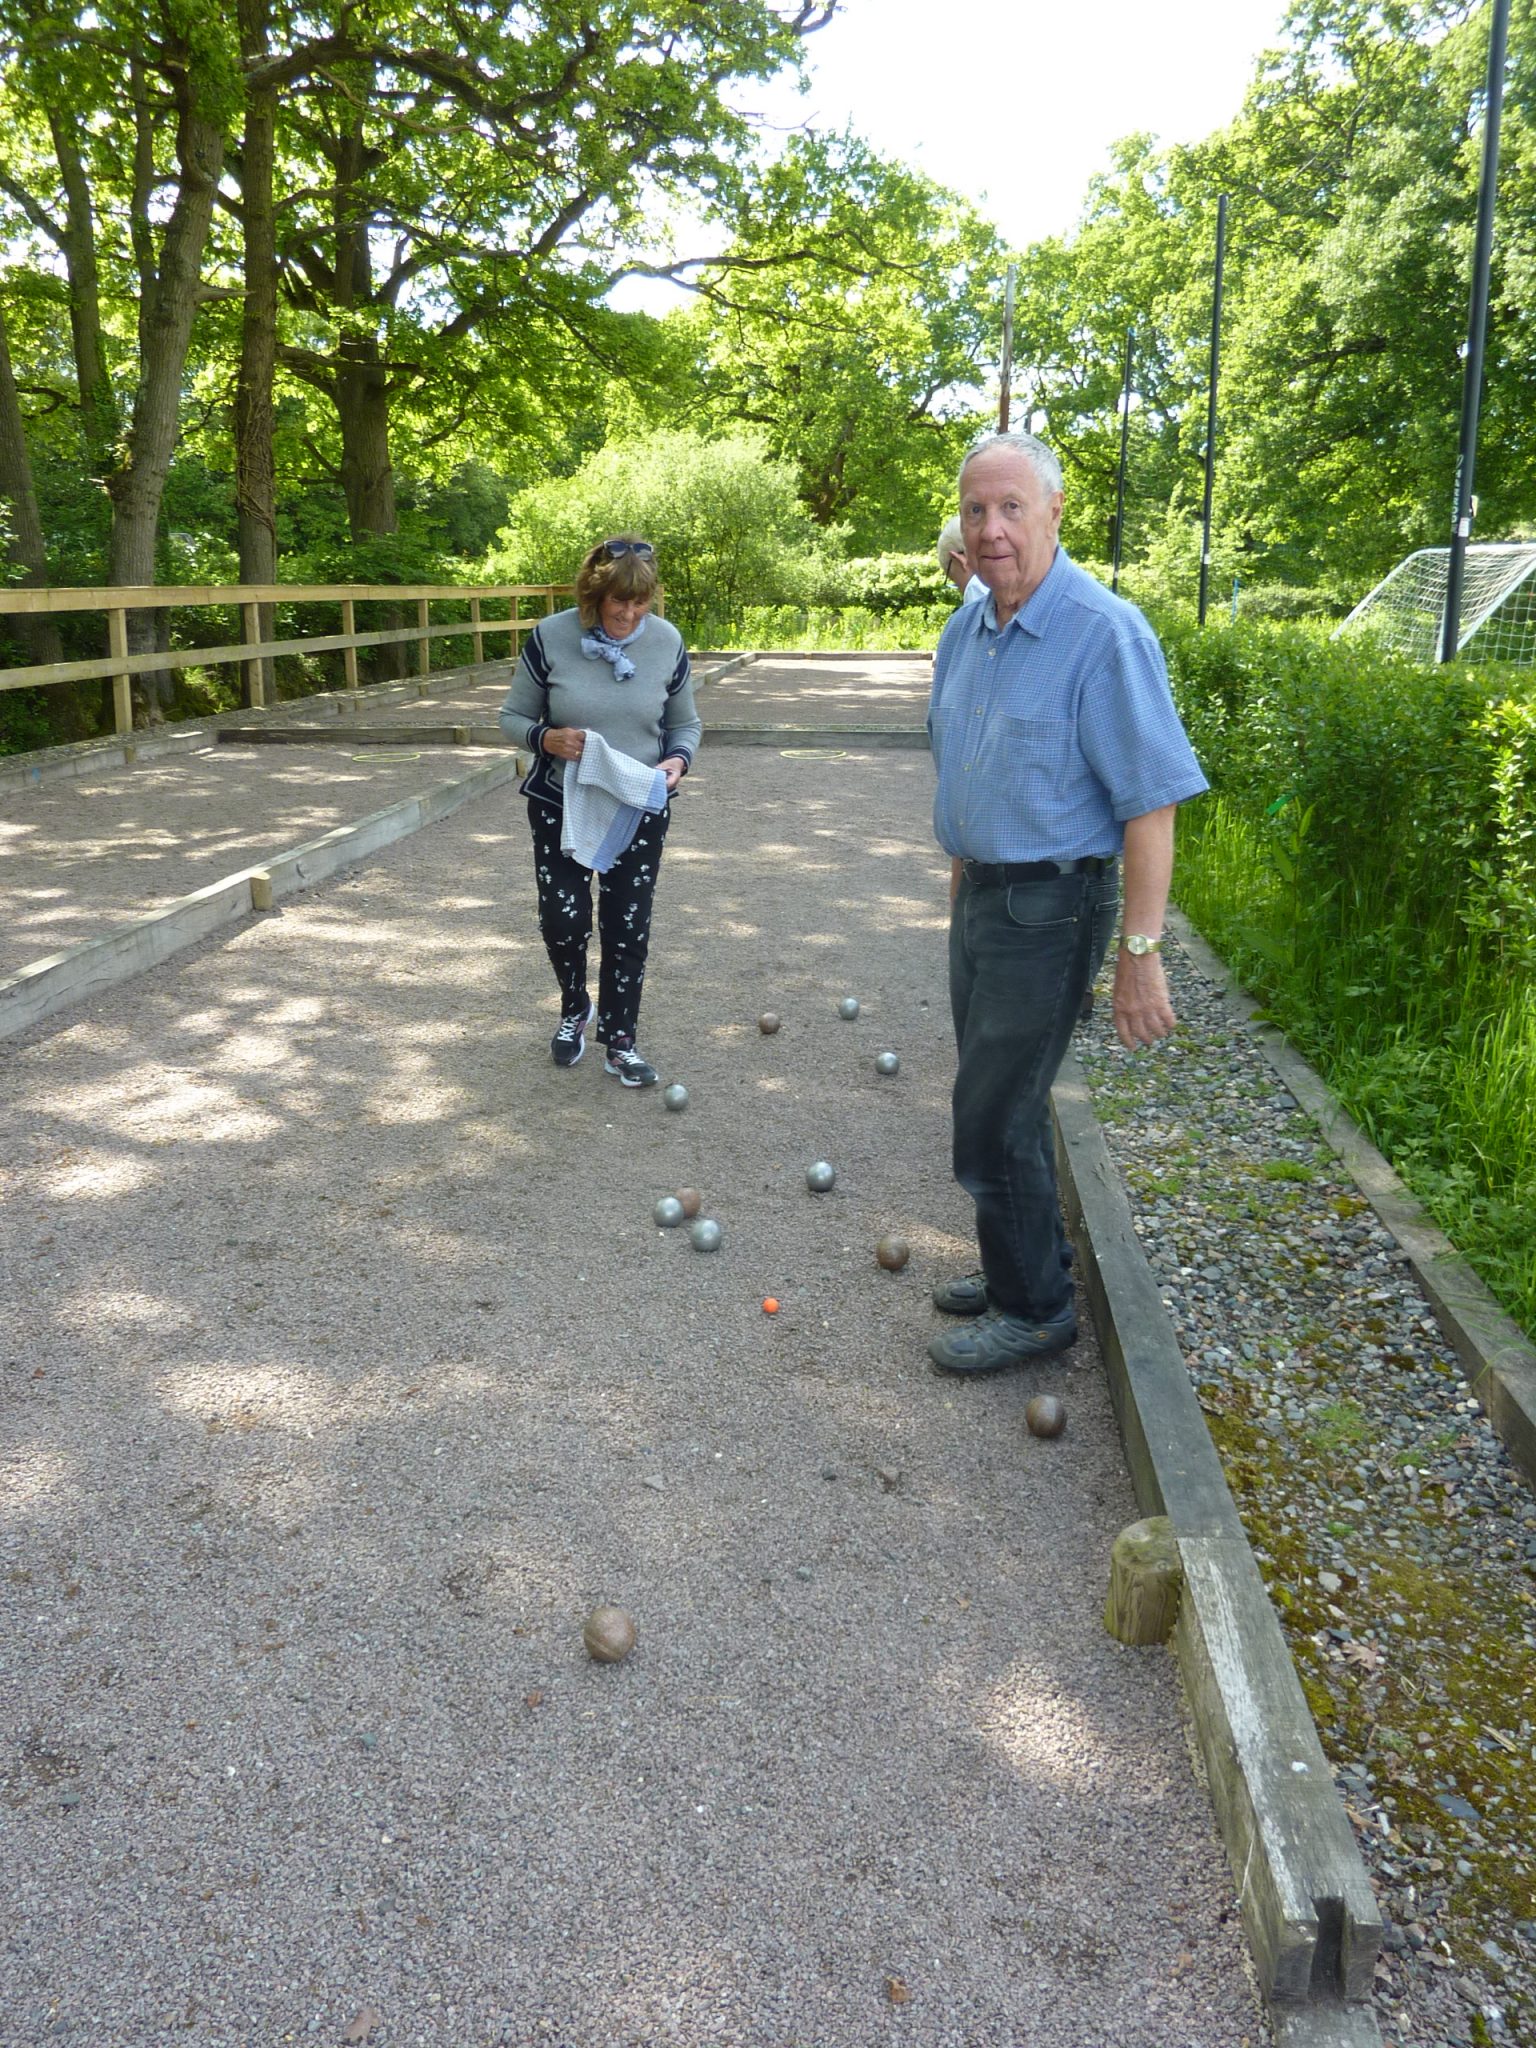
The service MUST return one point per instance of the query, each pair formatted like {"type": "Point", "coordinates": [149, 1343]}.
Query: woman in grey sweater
{"type": "Point", "coordinates": [611, 667]}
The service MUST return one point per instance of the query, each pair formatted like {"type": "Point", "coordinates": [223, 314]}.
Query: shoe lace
{"type": "Point", "coordinates": [571, 1027]}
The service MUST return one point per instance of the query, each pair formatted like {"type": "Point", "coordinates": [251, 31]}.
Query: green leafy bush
{"type": "Point", "coordinates": [728, 527]}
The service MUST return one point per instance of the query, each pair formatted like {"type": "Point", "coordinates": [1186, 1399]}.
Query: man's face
{"type": "Point", "coordinates": [1010, 525]}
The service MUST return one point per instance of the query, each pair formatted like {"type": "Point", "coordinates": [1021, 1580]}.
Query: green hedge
{"type": "Point", "coordinates": [1367, 862]}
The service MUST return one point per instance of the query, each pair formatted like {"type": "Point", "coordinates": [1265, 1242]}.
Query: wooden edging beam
{"type": "Point", "coordinates": [1308, 1909]}
{"type": "Point", "coordinates": [1498, 1358]}
{"type": "Point", "coordinates": [46, 987]}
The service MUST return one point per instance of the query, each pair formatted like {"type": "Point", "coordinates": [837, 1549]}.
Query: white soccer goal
{"type": "Point", "coordinates": [1498, 604]}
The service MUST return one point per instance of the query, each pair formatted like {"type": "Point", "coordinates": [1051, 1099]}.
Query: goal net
{"type": "Point", "coordinates": [1406, 610]}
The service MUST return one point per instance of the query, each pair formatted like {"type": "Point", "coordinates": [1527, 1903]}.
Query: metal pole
{"type": "Point", "coordinates": [1477, 332]}
{"type": "Point", "coordinates": [1210, 410]}
{"type": "Point", "coordinates": [1004, 393]}
{"type": "Point", "coordinates": [1125, 434]}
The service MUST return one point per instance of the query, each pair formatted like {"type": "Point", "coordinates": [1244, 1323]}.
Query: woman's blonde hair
{"type": "Point", "coordinates": [607, 575]}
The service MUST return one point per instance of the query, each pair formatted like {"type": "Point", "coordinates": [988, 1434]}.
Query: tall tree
{"type": "Point", "coordinates": [854, 312]}
{"type": "Point", "coordinates": [472, 175]}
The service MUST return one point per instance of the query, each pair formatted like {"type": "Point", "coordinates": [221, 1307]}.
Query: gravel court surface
{"type": "Point", "coordinates": [346, 1371]}
{"type": "Point", "coordinates": [81, 858]}
{"type": "Point", "coordinates": [776, 689]}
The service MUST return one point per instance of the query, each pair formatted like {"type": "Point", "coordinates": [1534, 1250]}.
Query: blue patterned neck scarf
{"type": "Point", "coordinates": [600, 646]}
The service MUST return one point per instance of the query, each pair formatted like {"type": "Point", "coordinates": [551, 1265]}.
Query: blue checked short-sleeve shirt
{"type": "Point", "coordinates": [1049, 733]}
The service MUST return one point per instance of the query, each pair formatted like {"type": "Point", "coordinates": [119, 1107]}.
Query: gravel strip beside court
{"type": "Point", "coordinates": [345, 1371]}
{"type": "Point", "coordinates": [1397, 1538]}
{"type": "Point", "coordinates": [82, 858]}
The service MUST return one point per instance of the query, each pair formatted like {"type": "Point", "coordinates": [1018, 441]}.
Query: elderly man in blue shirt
{"type": "Point", "coordinates": [1059, 752]}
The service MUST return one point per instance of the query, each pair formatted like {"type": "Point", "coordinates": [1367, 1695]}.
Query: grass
{"type": "Point", "coordinates": [1429, 1044]}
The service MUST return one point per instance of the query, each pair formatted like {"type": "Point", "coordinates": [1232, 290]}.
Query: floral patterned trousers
{"type": "Point", "coordinates": [623, 919]}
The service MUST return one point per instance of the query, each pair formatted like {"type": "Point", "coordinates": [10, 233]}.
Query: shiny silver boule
{"type": "Point", "coordinates": [887, 1063]}
{"type": "Point", "coordinates": [705, 1233]}
{"type": "Point", "coordinates": [848, 1007]}
{"type": "Point", "coordinates": [675, 1096]}
{"type": "Point", "coordinates": [669, 1212]}
{"type": "Point", "coordinates": [820, 1176]}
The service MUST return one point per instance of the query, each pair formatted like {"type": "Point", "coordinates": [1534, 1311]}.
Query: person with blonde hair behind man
{"type": "Point", "coordinates": [1058, 751]}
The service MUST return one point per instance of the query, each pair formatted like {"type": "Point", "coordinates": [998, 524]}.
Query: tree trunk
{"type": "Point", "coordinates": [361, 388]}
{"type": "Point", "coordinates": [166, 314]}
{"type": "Point", "coordinates": [98, 403]}
{"type": "Point", "coordinates": [255, 477]}
{"type": "Point", "coordinates": [22, 523]}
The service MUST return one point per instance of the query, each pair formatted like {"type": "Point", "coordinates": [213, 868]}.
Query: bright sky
{"type": "Point", "coordinates": [1014, 105]}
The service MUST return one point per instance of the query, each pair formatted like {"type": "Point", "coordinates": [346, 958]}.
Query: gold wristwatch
{"type": "Point", "coordinates": [1137, 943]}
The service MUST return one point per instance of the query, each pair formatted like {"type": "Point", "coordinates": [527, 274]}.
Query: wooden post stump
{"type": "Point", "coordinates": [1146, 1577]}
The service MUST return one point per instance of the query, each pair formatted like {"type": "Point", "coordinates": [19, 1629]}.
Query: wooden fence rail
{"type": "Point", "coordinates": [251, 650]}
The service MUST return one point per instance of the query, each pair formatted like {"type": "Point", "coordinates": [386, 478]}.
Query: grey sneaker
{"type": "Point", "coordinates": [570, 1041]}
{"type": "Point", "coordinates": [997, 1341]}
{"type": "Point", "coordinates": [966, 1296]}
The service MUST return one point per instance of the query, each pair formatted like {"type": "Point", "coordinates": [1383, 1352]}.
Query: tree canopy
{"type": "Point", "coordinates": [325, 289]}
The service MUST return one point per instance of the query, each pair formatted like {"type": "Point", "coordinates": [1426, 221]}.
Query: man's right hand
{"type": "Point", "coordinates": [565, 742]}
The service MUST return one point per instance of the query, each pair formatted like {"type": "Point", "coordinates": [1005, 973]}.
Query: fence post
{"type": "Point", "coordinates": [423, 645]}
{"type": "Point", "coordinates": [122, 686]}
{"type": "Point", "coordinates": [479, 637]}
{"type": "Point", "coordinates": [349, 654]}
{"type": "Point", "coordinates": [255, 687]}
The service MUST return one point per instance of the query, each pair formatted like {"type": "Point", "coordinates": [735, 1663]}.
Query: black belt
{"type": "Point", "coordinates": [998, 874]}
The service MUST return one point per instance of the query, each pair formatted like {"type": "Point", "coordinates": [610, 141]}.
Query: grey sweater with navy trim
{"type": "Point", "coordinates": [554, 683]}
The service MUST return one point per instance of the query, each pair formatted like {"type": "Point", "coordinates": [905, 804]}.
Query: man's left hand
{"type": "Point", "coordinates": [1142, 1008]}
{"type": "Point", "coordinates": [672, 768]}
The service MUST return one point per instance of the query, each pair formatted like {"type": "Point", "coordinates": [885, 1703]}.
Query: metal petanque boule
{"type": "Point", "coordinates": [669, 1212]}
{"type": "Point", "coordinates": [1045, 1415]}
{"type": "Point", "coordinates": [887, 1063]}
{"type": "Point", "coordinates": [820, 1176]}
{"type": "Point", "coordinates": [704, 1232]}
{"type": "Point", "coordinates": [848, 1007]}
{"type": "Point", "coordinates": [675, 1095]}
{"type": "Point", "coordinates": [691, 1200]}
{"type": "Point", "coordinates": [892, 1253]}
{"type": "Point", "coordinates": [768, 1023]}
{"type": "Point", "coordinates": [609, 1635]}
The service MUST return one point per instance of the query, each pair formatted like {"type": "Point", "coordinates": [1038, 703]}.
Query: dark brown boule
{"type": "Point", "coordinates": [1045, 1415]}
{"type": "Point", "coordinates": [768, 1023]}
{"type": "Point", "coordinates": [691, 1200]}
{"type": "Point", "coordinates": [893, 1253]}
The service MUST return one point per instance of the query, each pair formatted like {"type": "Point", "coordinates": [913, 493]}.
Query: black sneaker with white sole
{"type": "Point", "coordinates": [627, 1066]}
{"type": "Point", "coordinates": [570, 1041]}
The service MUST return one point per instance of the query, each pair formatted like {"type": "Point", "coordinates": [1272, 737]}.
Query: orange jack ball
{"type": "Point", "coordinates": [770, 1306]}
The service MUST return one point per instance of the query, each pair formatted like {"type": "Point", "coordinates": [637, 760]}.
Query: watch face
{"type": "Point", "coordinates": [1138, 943]}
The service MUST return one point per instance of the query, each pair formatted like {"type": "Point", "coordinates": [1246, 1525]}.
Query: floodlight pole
{"type": "Point", "coordinates": [1210, 408]}
{"type": "Point", "coordinates": [1007, 378]}
{"type": "Point", "coordinates": [1125, 434]}
{"type": "Point", "coordinates": [1477, 331]}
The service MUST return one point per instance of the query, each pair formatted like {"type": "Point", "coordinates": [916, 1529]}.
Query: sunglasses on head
{"type": "Point", "coordinates": [616, 548]}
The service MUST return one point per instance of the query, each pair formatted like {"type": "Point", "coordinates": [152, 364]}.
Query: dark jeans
{"type": "Point", "coordinates": [624, 897]}
{"type": "Point", "coordinates": [1021, 959]}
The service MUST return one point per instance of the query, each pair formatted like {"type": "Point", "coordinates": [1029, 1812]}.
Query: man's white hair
{"type": "Point", "coordinates": [951, 542]}
{"type": "Point", "coordinates": [1041, 459]}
